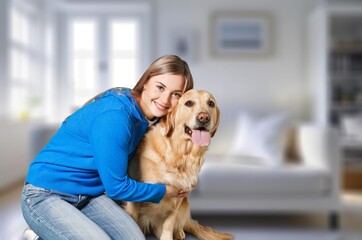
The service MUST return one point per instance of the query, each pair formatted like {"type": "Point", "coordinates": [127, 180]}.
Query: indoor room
{"type": "Point", "coordinates": [286, 159]}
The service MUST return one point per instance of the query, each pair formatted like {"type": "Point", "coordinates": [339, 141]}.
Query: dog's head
{"type": "Point", "coordinates": [195, 117]}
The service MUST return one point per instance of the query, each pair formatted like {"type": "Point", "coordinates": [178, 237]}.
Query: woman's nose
{"type": "Point", "coordinates": [166, 99]}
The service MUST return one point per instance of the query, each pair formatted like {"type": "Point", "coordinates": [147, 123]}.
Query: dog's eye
{"type": "Point", "coordinates": [211, 104]}
{"type": "Point", "coordinates": [189, 103]}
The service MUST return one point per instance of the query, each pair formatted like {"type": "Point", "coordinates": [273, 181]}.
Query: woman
{"type": "Point", "coordinates": [71, 182]}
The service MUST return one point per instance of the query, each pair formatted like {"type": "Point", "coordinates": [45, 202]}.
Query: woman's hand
{"type": "Point", "coordinates": [172, 191]}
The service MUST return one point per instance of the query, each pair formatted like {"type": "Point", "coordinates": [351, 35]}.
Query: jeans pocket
{"type": "Point", "coordinates": [32, 195]}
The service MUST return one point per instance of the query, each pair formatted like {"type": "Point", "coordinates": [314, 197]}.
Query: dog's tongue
{"type": "Point", "coordinates": [201, 138]}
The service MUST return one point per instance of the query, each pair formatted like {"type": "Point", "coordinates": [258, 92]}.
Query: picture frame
{"type": "Point", "coordinates": [183, 43]}
{"type": "Point", "coordinates": [241, 34]}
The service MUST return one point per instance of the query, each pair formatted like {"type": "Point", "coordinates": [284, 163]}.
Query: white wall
{"type": "Point", "coordinates": [14, 151]}
{"type": "Point", "coordinates": [275, 82]}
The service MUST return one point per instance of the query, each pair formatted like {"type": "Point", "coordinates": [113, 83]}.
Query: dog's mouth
{"type": "Point", "coordinates": [199, 136]}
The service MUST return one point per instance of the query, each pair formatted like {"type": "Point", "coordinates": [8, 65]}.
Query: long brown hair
{"type": "Point", "coordinates": [167, 64]}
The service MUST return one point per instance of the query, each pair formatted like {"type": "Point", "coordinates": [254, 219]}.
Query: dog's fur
{"type": "Point", "coordinates": [168, 154]}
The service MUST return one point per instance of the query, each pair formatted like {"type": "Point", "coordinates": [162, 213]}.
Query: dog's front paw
{"type": "Point", "coordinates": [180, 235]}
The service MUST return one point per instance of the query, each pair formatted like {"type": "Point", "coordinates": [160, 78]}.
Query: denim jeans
{"type": "Point", "coordinates": [55, 215]}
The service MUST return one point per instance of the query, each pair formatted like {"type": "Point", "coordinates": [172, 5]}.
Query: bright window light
{"type": "Point", "coordinates": [124, 35]}
{"type": "Point", "coordinates": [22, 59]}
{"type": "Point", "coordinates": [19, 66]}
{"type": "Point", "coordinates": [83, 35]}
{"type": "Point", "coordinates": [18, 100]}
{"type": "Point", "coordinates": [83, 59]}
{"type": "Point", "coordinates": [19, 27]}
{"type": "Point", "coordinates": [123, 72]}
{"type": "Point", "coordinates": [123, 52]}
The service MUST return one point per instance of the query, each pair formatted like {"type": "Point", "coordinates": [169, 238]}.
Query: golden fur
{"type": "Point", "coordinates": [167, 154]}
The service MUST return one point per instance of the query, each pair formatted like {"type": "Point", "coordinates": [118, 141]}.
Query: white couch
{"type": "Point", "coordinates": [236, 184]}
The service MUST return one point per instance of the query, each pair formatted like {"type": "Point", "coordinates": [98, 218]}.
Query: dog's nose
{"type": "Point", "coordinates": [203, 118]}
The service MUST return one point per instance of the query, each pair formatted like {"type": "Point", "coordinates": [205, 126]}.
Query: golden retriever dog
{"type": "Point", "coordinates": [172, 152]}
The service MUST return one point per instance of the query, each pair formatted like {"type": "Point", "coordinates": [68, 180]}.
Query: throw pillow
{"type": "Point", "coordinates": [261, 138]}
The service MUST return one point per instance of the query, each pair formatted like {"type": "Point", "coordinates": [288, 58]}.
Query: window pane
{"type": "Point", "coordinates": [18, 101]}
{"type": "Point", "coordinates": [83, 35]}
{"type": "Point", "coordinates": [19, 66]}
{"type": "Point", "coordinates": [83, 60]}
{"type": "Point", "coordinates": [25, 65]}
{"type": "Point", "coordinates": [123, 52]}
{"type": "Point", "coordinates": [19, 27]}
{"type": "Point", "coordinates": [124, 35]}
{"type": "Point", "coordinates": [85, 77]}
{"type": "Point", "coordinates": [124, 72]}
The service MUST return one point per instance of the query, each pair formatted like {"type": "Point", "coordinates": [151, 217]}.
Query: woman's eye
{"type": "Point", "coordinates": [189, 103]}
{"type": "Point", "coordinates": [177, 95]}
{"type": "Point", "coordinates": [161, 88]}
{"type": "Point", "coordinates": [211, 104]}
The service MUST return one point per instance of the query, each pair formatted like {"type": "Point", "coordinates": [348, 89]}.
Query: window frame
{"type": "Point", "coordinates": [104, 12]}
{"type": "Point", "coordinates": [31, 104]}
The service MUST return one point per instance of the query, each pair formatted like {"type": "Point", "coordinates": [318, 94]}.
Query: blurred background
{"type": "Point", "coordinates": [54, 55]}
{"type": "Point", "coordinates": [265, 55]}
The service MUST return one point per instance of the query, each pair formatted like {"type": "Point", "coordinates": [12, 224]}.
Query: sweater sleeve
{"type": "Point", "coordinates": [110, 136]}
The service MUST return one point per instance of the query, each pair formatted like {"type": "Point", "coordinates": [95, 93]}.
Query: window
{"type": "Point", "coordinates": [25, 60]}
{"type": "Point", "coordinates": [104, 54]}
{"type": "Point", "coordinates": [61, 57]}
{"type": "Point", "coordinates": [103, 45]}
{"type": "Point", "coordinates": [83, 59]}
{"type": "Point", "coordinates": [123, 52]}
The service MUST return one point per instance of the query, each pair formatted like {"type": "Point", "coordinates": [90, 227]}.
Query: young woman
{"type": "Point", "coordinates": [71, 182]}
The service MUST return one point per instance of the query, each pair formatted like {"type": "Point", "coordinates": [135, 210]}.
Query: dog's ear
{"type": "Point", "coordinates": [213, 131]}
{"type": "Point", "coordinates": [170, 121]}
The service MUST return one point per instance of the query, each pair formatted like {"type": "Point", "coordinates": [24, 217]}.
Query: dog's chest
{"type": "Point", "coordinates": [175, 165]}
{"type": "Point", "coordinates": [183, 176]}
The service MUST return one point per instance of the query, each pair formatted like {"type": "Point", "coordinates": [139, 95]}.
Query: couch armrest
{"type": "Point", "coordinates": [320, 147]}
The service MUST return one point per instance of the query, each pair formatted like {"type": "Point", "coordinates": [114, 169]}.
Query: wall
{"type": "Point", "coordinates": [14, 151]}
{"type": "Point", "coordinates": [275, 82]}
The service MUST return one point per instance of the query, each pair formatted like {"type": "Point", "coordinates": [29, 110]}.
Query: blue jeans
{"type": "Point", "coordinates": [55, 215]}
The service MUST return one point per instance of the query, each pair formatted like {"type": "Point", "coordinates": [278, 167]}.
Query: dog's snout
{"type": "Point", "coordinates": [203, 118]}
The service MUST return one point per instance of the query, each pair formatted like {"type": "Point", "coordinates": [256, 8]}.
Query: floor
{"type": "Point", "coordinates": [251, 227]}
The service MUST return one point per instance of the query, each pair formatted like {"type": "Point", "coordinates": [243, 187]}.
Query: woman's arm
{"type": "Point", "coordinates": [110, 136]}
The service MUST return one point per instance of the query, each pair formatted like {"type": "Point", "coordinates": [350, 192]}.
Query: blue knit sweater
{"type": "Point", "coordinates": [89, 154]}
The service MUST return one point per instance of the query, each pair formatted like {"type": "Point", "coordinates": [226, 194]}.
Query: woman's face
{"type": "Point", "coordinates": [160, 93]}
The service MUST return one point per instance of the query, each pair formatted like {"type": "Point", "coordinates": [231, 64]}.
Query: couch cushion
{"type": "Point", "coordinates": [262, 137]}
{"type": "Point", "coordinates": [234, 179]}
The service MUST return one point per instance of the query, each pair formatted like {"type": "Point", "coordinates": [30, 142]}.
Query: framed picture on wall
{"type": "Point", "coordinates": [240, 34]}
{"type": "Point", "coordinates": [183, 42]}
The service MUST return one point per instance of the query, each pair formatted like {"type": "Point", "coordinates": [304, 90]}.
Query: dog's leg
{"type": "Point", "coordinates": [168, 226]}
{"type": "Point", "coordinates": [183, 213]}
